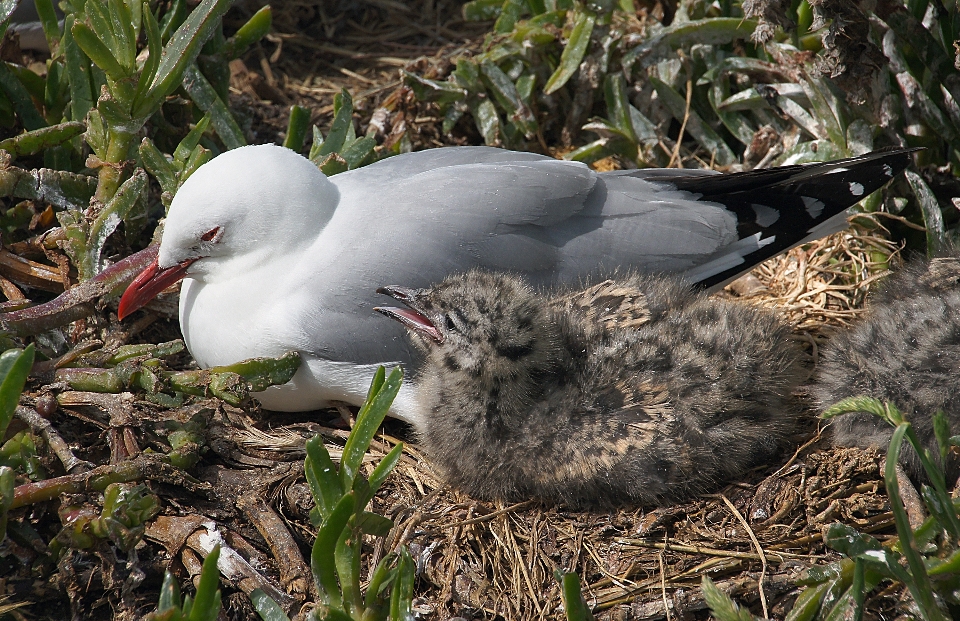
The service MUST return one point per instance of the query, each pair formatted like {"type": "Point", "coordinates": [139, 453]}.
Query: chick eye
{"type": "Point", "coordinates": [449, 322]}
{"type": "Point", "coordinates": [211, 235]}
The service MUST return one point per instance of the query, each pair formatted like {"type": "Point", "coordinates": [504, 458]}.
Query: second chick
{"type": "Point", "coordinates": [906, 351]}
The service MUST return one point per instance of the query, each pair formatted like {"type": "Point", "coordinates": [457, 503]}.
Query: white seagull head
{"type": "Point", "coordinates": [235, 212]}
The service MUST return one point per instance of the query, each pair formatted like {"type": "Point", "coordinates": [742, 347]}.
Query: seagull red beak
{"type": "Point", "coordinates": [413, 317]}
{"type": "Point", "coordinates": [149, 284]}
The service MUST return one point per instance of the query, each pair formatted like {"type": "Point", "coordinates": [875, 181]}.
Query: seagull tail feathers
{"type": "Point", "coordinates": [779, 208]}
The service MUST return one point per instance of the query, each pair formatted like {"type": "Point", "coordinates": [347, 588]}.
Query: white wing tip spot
{"type": "Point", "coordinates": [888, 170]}
{"type": "Point", "coordinates": [813, 206]}
{"type": "Point", "coordinates": [856, 188]}
{"type": "Point", "coordinates": [766, 216]}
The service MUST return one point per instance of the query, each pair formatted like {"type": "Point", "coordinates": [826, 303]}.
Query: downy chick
{"type": "Point", "coordinates": [905, 351]}
{"type": "Point", "coordinates": [632, 391]}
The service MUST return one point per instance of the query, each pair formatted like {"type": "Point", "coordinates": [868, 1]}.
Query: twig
{"type": "Point", "coordinates": [78, 302]}
{"type": "Point", "coordinates": [234, 567]}
{"type": "Point", "coordinates": [763, 557]}
{"type": "Point", "coordinates": [796, 453]}
{"type": "Point", "coordinates": [490, 516]}
{"type": "Point", "coordinates": [663, 587]}
{"type": "Point", "coordinates": [679, 547]}
{"type": "Point", "coordinates": [508, 533]}
{"type": "Point", "coordinates": [899, 219]}
{"type": "Point", "coordinates": [71, 463]}
{"type": "Point", "coordinates": [613, 579]}
{"type": "Point", "coordinates": [295, 575]}
{"type": "Point", "coordinates": [675, 156]}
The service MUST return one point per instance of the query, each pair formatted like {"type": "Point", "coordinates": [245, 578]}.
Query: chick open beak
{"type": "Point", "coordinates": [413, 317]}
{"type": "Point", "coordinates": [149, 284]}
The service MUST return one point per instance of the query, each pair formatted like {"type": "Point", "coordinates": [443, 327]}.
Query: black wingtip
{"type": "Point", "coordinates": [868, 168]}
{"type": "Point", "coordinates": [779, 208]}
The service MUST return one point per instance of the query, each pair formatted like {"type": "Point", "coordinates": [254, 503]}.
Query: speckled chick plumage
{"type": "Point", "coordinates": [906, 351]}
{"type": "Point", "coordinates": [632, 391]}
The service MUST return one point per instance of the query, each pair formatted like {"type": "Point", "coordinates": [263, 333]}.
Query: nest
{"type": "Point", "coordinates": [753, 537]}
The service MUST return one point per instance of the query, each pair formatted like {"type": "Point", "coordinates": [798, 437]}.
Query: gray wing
{"type": "Point", "coordinates": [448, 210]}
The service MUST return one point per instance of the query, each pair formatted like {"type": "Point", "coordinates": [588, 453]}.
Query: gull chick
{"type": "Point", "coordinates": [906, 351]}
{"type": "Point", "coordinates": [633, 391]}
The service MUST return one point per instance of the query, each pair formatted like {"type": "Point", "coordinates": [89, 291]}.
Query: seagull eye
{"type": "Point", "coordinates": [211, 235]}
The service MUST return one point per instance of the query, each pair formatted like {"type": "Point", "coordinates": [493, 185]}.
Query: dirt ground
{"type": "Point", "coordinates": [474, 559]}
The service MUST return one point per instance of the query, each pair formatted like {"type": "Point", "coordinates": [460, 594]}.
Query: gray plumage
{"type": "Point", "coordinates": [905, 351]}
{"type": "Point", "coordinates": [632, 391]}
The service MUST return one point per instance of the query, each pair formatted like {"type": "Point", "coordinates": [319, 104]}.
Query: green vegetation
{"type": "Point", "coordinates": [204, 607]}
{"type": "Point", "coordinates": [820, 82]}
{"type": "Point", "coordinates": [134, 96]}
{"type": "Point", "coordinates": [341, 495]}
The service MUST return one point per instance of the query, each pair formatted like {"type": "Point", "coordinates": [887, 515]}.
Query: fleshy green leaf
{"type": "Point", "coordinates": [255, 29]}
{"type": "Point", "coordinates": [206, 98]}
{"type": "Point", "coordinates": [109, 219]}
{"type": "Point", "coordinates": [78, 73]}
{"type": "Point", "coordinates": [297, 128]}
{"type": "Point", "coordinates": [266, 607]}
{"type": "Point", "coordinates": [369, 419]}
{"type": "Point", "coordinates": [206, 605]}
{"type": "Point", "coordinates": [574, 606]}
{"type": "Point", "coordinates": [37, 140]}
{"type": "Point", "coordinates": [324, 548]}
{"type": "Point", "coordinates": [932, 215]}
{"type": "Point", "coordinates": [97, 51]}
{"type": "Point", "coordinates": [322, 477]}
{"type": "Point", "coordinates": [15, 366]}
{"type": "Point", "coordinates": [574, 51]}
{"type": "Point", "coordinates": [342, 121]}
{"type": "Point", "coordinates": [20, 97]}
{"type": "Point", "coordinates": [182, 50]}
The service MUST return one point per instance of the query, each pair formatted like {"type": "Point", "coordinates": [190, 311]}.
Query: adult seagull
{"type": "Point", "coordinates": [277, 257]}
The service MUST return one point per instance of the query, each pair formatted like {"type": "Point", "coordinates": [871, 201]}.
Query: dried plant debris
{"type": "Point", "coordinates": [823, 284]}
{"type": "Point", "coordinates": [498, 561]}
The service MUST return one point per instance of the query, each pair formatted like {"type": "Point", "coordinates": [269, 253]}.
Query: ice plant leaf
{"type": "Point", "coordinates": [206, 606]}
{"type": "Point", "coordinates": [15, 365]}
{"type": "Point", "coordinates": [37, 140]}
{"type": "Point", "coordinates": [297, 128]}
{"type": "Point", "coordinates": [343, 118]}
{"type": "Point", "coordinates": [321, 474]}
{"type": "Point", "coordinates": [573, 605]}
{"type": "Point", "coordinates": [324, 548]}
{"type": "Point", "coordinates": [267, 607]}
{"type": "Point", "coordinates": [109, 219]}
{"type": "Point", "coordinates": [932, 216]}
{"type": "Point", "coordinates": [180, 51]}
{"type": "Point", "coordinates": [574, 51]}
{"type": "Point", "coordinates": [255, 29]}
{"type": "Point", "coordinates": [207, 99]}
{"type": "Point", "coordinates": [369, 419]}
